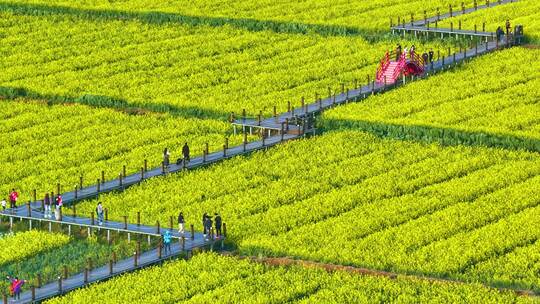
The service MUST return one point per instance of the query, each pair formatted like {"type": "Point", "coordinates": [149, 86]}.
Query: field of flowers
{"type": "Point", "coordinates": [45, 144]}
{"type": "Point", "coordinates": [382, 204]}
{"type": "Point", "coordinates": [317, 16]}
{"type": "Point", "coordinates": [209, 278]}
{"type": "Point", "coordinates": [89, 86]}
{"type": "Point", "coordinates": [492, 100]}
{"type": "Point", "coordinates": [201, 71]}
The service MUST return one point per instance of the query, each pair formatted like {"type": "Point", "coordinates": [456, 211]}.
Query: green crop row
{"type": "Point", "coordinates": [17, 247]}
{"type": "Point", "coordinates": [203, 72]}
{"type": "Point", "coordinates": [208, 278]}
{"type": "Point", "coordinates": [346, 197]}
{"type": "Point", "coordinates": [491, 101]}
{"type": "Point", "coordinates": [44, 145]}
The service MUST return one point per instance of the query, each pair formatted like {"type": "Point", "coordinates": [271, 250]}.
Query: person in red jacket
{"type": "Point", "coordinates": [15, 287]}
{"type": "Point", "coordinates": [13, 197]}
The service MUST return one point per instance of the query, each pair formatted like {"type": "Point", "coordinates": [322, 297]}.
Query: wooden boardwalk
{"type": "Point", "coordinates": [102, 273]}
{"type": "Point", "coordinates": [182, 243]}
{"type": "Point", "coordinates": [132, 179]}
{"type": "Point", "coordinates": [275, 123]}
{"type": "Point", "coordinates": [36, 219]}
{"type": "Point", "coordinates": [442, 31]}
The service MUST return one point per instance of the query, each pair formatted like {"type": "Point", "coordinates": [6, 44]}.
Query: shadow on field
{"type": "Point", "coordinates": [155, 17]}
{"type": "Point", "coordinates": [99, 101]}
{"type": "Point", "coordinates": [432, 134]}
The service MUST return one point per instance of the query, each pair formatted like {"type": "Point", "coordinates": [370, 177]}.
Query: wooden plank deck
{"type": "Point", "coordinates": [443, 31]}
{"type": "Point", "coordinates": [37, 218]}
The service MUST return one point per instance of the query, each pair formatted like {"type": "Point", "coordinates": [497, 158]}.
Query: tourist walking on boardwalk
{"type": "Point", "coordinates": [58, 209]}
{"type": "Point", "coordinates": [508, 27]}
{"type": "Point", "coordinates": [181, 223]}
{"type": "Point", "coordinates": [204, 218]}
{"type": "Point", "coordinates": [4, 203]}
{"type": "Point", "coordinates": [167, 241]}
{"type": "Point", "coordinates": [499, 33]}
{"type": "Point", "coordinates": [217, 220]}
{"type": "Point", "coordinates": [398, 52]}
{"type": "Point", "coordinates": [430, 55]}
{"type": "Point", "coordinates": [185, 152]}
{"type": "Point", "coordinates": [166, 158]}
{"type": "Point", "coordinates": [99, 212]}
{"type": "Point", "coordinates": [13, 197]}
{"type": "Point", "coordinates": [208, 227]}
{"type": "Point", "coordinates": [15, 287]}
{"type": "Point", "coordinates": [47, 206]}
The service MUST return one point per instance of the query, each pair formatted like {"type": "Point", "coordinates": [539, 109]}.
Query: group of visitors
{"type": "Point", "coordinates": [400, 51]}
{"type": "Point", "coordinates": [500, 32]}
{"type": "Point", "coordinates": [167, 156]}
{"type": "Point", "coordinates": [49, 203]}
{"type": "Point", "coordinates": [207, 225]}
{"type": "Point", "coordinates": [206, 222]}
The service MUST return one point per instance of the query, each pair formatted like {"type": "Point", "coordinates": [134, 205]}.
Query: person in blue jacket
{"type": "Point", "coordinates": [167, 238]}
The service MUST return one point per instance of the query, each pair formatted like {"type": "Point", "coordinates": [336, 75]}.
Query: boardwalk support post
{"type": "Point", "coordinates": [102, 177]}
{"type": "Point", "coordinates": [33, 290]}
{"type": "Point", "coordinates": [224, 230]}
{"type": "Point", "coordinates": [138, 218]}
{"type": "Point", "coordinates": [110, 266]}
{"type": "Point", "coordinates": [92, 220]}
{"type": "Point", "coordinates": [142, 173]}
{"type": "Point", "coordinates": [158, 229]}
{"type": "Point", "coordinates": [125, 222]}
{"type": "Point", "coordinates": [97, 185]}
{"type": "Point", "coordinates": [59, 284]}
{"type": "Point", "coordinates": [145, 165]}
{"type": "Point", "coordinates": [85, 275]}
{"type": "Point", "coordinates": [135, 262]}
{"type": "Point", "coordinates": [29, 209]}
{"type": "Point", "coordinates": [66, 272]}
{"type": "Point", "coordinates": [38, 279]}
{"type": "Point", "coordinates": [106, 214]}
{"type": "Point", "coordinates": [120, 177]}
{"type": "Point", "coordinates": [192, 232]}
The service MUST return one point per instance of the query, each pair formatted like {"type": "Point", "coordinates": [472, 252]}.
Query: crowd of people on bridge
{"type": "Point", "coordinates": [167, 157]}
